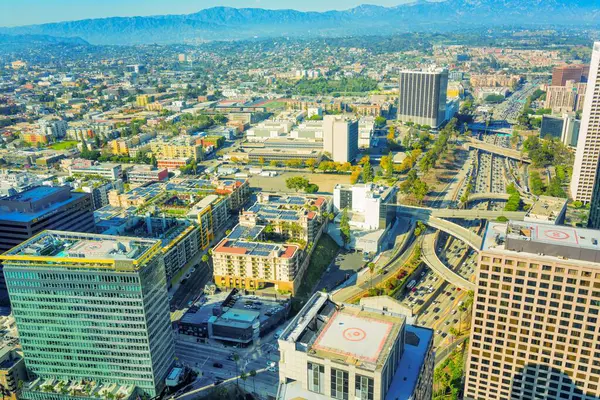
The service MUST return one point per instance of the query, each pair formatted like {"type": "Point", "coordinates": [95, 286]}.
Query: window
{"type": "Point", "coordinates": [316, 374]}
{"type": "Point", "coordinates": [363, 387]}
{"type": "Point", "coordinates": [339, 384]}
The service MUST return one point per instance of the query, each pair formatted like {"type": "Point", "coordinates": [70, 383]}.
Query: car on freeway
{"type": "Point", "coordinates": [217, 365]}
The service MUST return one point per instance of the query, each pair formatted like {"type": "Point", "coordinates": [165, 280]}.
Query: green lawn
{"type": "Point", "coordinates": [63, 145]}
{"type": "Point", "coordinates": [275, 104]}
{"type": "Point", "coordinates": [324, 253]}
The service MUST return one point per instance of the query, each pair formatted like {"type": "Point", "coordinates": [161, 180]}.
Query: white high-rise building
{"type": "Point", "coordinates": [588, 144]}
{"type": "Point", "coordinates": [340, 138]}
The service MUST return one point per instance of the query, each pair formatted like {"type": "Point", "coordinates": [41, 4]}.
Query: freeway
{"type": "Point", "coordinates": [423, 213]}
{"type": "Point", "coordinates": [502, 151]}
{"type": "Point", "coordinates": [431, 259]}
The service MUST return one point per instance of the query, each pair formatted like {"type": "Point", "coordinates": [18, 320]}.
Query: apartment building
{"type": "Point", "coordinates": [142, 174]}
{"type": "Point", "coordinates": [585, 168]}
{"type": "Point", "coordinates": [342, 351]}
{"type": "Point", "coordinates": [105, 170]}
{"type": "Point", "coordinates": [567, 98]}
{"type": "Point", "coordinates": [241, 260]}
{"type": "Point", "coordinates": [118, 280]}
{"type": "Point", "coordinates": [182, 147]}
{"type": "Point", "coordinates": [578, 73]}
{"type": "Point", "coordinates": [534, 331]}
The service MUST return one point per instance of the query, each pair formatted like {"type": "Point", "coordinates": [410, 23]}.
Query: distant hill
{"type": "Point", "coordinates": [225, 23]}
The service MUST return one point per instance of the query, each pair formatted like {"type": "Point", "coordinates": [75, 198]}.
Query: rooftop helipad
{"type": "Point", "coordinates": [354, 336]}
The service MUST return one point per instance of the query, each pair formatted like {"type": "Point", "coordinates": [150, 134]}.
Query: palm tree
{"type": "Point", "coordinates": [244, 376]}
{"type": "Point", "coordinates": [252, 373]}
{"type": "Point", "coordinates": [371, 266]}
{"type": "Point", "coordinates": [236, 358]}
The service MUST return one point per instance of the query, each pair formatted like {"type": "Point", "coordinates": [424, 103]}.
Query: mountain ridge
{"type": "Point", "coordinates": [229, 23]}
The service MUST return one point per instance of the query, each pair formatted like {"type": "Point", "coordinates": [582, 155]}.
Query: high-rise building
{"type": "Point", "coordinates": [91, 308]}
{"type": "Point", "coordinates": [344, 351]}
{"type": "Point", "coordinates": [422, 97]}
{"type": "Point", "coordinates": [534, 331]}
{"type": "Point", "coordinates": [340, 138]}
{"type": "Point", "coordinates": [588, 144]}
{"type": "Point", "coordinates": [577, 73]}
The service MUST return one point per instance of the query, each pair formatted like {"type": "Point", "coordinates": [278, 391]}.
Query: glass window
{"type": "Point", "coordinates": [364, 387]}
{"type": "Point", "coordinates": [339, 384]}
{"type": "Point", "coordinates": [316, 374]}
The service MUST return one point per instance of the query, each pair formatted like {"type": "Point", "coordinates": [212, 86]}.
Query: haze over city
{"type": "Point", "coordinates": [282, 200]}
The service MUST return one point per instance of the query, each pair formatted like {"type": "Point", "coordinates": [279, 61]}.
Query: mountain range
{"type": "Point", "coordinates": [226, 23]}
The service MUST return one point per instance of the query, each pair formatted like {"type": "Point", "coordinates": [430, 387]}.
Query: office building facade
{"type": "Point", "coordinates": [422, 97]}
{"type": "Point", "coordinates": [92, 308]}
{"type": "Point", "coordinates": [534, 324]}
{"type": "Point", "coordinates": [588, 145]}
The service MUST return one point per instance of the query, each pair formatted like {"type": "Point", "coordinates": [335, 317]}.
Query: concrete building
{"type": "Point", "coordinates": [340, 138]}
{"type": "Point", "coordinates": [547, 209]}
{"type": "Point", "coordinates": [142, 174]}
{"type": "Point", "coordinates": [588, 146]}
{"type": "Point", "coordinates": [105, 170]}
{"type": "Point", "coordinates": [12, 371]}
{"type": "Point", "coordinates": [566, 98]}
{"type": "Point", "coordinates": [534, 325]}
{"type": "Point", "coordinates": [91, 308]}
{"type": "Point", "coordinates": [241, 260]}
{"type": "Point", "coordinates": [366, 127]}
{"type": "Point", "coordinates": [422, 97]}
{"type": "Point", "coordinates": [565, 128]}
{"type": "Point", "coordinates": [344, 351]}
{"type": "Point", "coordinates": [369, 200]}
{"type": "Point", "coordinates": [99, 191]}
{"type": "Point", "coordinates": [179, 148]}
{"type": "Point", "coordinates": [561, 75]}
{"type": "Point", "coordinates": [44, 207]}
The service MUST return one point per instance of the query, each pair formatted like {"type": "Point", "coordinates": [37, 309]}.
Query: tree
{"type": "Point", "coordinates": [367, 172]}
{"type": "Point", "coordinates": [261, 161]}
{"type": "Point", "coordinates": [244, 376]}
{"type": "Point", "coordinates": [274, 163]}
{"type": "Point", "coordinates": [345, 227]}
{"type": "Point", "coordinates": [311, 188]}
{"type": "Point", "coordinates": [371, 267]}
{"type": "Point", "coordinates": [310, 163]}
{"type": "Point", "coordinates": [391, 136]}
{"type": "Point", "coordinates": [420, 190]}
{"type": "Point", "coordinates": [236, 358]}
{"type": "Point", "coordinates": [380, 121]}
{"type": "Point", "coordinates": [297, 183]}
{"type": "Point", "coordinates": [205, 258]}
{"type": "Point", "coordinates": [252, 374]}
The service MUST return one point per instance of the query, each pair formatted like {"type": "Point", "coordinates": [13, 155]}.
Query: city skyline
{"type": "Point", "coordinates": [32, 12]}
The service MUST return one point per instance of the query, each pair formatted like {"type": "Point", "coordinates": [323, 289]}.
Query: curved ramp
{"type": "Point", "coordinates": [430, 258]}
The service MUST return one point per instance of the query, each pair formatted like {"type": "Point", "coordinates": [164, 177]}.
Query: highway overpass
{"type": "Point", "coordinates": [501, 151]}
{"type": "Point", "coordinates": [430, 258]}
{"type": "Point", "coordinates": [424, 213]}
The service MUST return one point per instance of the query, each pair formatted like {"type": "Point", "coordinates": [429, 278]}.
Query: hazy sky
{"type": "Point", "coordinates": [24, 12]}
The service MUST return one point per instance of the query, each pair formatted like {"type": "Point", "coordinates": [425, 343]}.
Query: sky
{"type": "Point", "coordinates": [26, 12]}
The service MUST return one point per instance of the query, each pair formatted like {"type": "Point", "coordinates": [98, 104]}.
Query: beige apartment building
{"type": "Point", "coordinates": [588, 144]}
{"type": "Point", "coordinates": [561, 99]}
{"type": "Point", "coordinates": [534, 331]}
{"type": "Point", "coordinates": [342, 351]}
{"type": "Point", "coordinates": [178, 148]}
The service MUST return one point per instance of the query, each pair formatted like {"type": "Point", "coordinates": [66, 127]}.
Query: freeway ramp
{"type": "Point", "coordinates": [430, 258]}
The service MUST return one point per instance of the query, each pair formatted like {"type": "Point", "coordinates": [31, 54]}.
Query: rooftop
{"type": "Point", "coordinates": [350, 334]}
{"type": "Point", "coordinates": [563, 242]}
{"type": "Point", "coordinates": [546, 208]}
{"type": "Point", "coordinates": [257, 249]}
{"type": "Point", "coordinates": [80, 389]}
{"type": "Point", "coordinates": [37, 202]}
{"type": "Point", "coordinates": [67, 248]}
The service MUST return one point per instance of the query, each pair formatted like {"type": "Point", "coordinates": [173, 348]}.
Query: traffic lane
{"type": "Point", "coordinates": [191, 287]}
{"type": "Point", "coordinates": [343, 265]}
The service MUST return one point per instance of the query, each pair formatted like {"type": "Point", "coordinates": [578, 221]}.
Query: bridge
{"type": "Point", "coordinates": [501, 151]}
{"type": "Point", "coordinates": [430, 258]}
{"type": "Point", "coordinates": [424, 213]}
{"type": "Point", "coordinates": [498, 197]}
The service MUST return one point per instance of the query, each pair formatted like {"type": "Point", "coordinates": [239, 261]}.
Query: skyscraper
{"type": "Point", "coordinates": [588, 144]}
{"type": "Point", "coordinates": [91, 308]}
{"type": "Point", "coordinates": [422, 97]}
{"type": "Point", "coordinates": [340, 138]}
{"type": "Point", "coordinates": [534, 331]}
